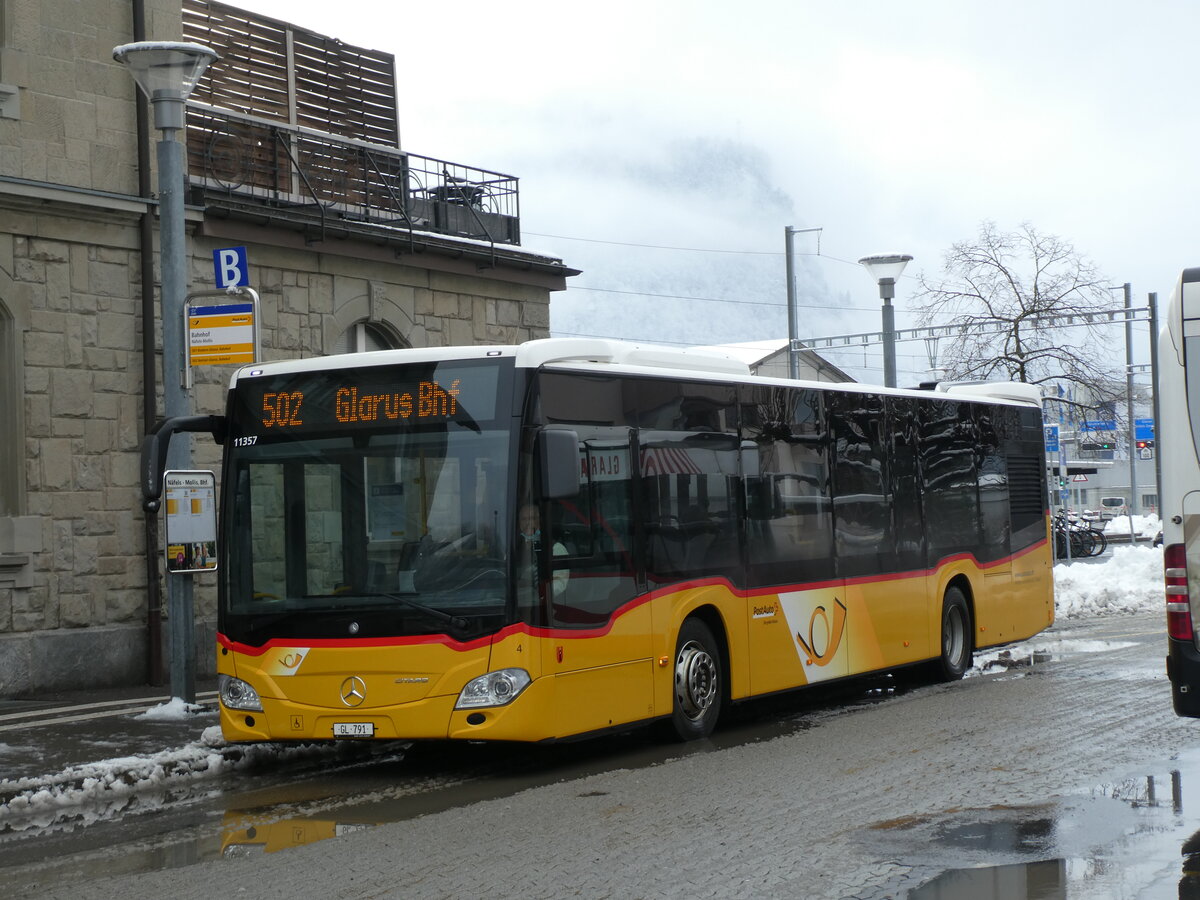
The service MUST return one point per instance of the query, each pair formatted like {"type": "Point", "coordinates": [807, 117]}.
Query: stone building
{"type": "Point", "coordinates": [353, 243]}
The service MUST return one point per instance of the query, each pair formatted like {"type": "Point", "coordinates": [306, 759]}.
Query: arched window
{"type": "Point", "coordinates": [364, 336]}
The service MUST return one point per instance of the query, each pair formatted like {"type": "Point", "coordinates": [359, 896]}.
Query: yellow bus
{"type": "Point", "coordinates": [566, 537]}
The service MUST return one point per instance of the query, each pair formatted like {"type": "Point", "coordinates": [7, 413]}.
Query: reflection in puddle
{"type": "Point", "coordinates": [1025, 837]}
{"type": "Point", "coordinates": [1045, 880]}
{"type": "Point", "coordinates": [1126, 838]}
{"type": "Point", "coordinates": [243, 838]}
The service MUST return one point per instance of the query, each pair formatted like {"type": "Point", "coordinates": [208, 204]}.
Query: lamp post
{"type": "Point", "coordinates": [885, 269]}
{"type": "Point", "coordinates": [166, 72]}
{"type": "Point", "coordinates": [793, 319]}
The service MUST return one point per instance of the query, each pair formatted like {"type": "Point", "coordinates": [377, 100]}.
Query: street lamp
{"type": "Point", "coordinates": [885, 269]}
{"type": "Point", "coordinates": [166, 72]}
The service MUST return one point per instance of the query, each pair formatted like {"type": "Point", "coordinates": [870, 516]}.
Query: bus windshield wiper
{"type": "Point", "coordinates": [458, 625]}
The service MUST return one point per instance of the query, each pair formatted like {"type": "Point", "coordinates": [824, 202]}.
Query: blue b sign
{"type": "Point", "coordinates": [231, 267]}
{"type": "Point", "coordinates": [1051, 438]}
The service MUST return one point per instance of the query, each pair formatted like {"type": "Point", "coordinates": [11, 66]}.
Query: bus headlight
{"type": "Point", "coordinates": [493, 689]}
{"type": "Point", "coordinates": [237, 694]}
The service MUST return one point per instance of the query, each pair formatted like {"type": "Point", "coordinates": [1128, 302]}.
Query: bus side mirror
{"type": "Point", "coordinates": [558, 461]}
{"type": "Point", "coordinates": [154, 451]}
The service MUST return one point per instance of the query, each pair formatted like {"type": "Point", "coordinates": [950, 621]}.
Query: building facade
{"type": "Point", "coordinates": [353, 243]}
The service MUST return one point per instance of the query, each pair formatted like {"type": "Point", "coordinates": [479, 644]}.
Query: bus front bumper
{"type": "Point", "coordinates": [527, 718]}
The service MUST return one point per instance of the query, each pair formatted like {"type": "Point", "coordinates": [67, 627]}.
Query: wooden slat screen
{"type": "Point", "coordinates": [338, 88]}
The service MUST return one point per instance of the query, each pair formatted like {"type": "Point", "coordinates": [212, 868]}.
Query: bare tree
{"type": "Point", "coordinates": [1002, 289]}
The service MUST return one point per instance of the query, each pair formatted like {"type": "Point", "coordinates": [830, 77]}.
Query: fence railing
{"type": "Point", "coordinates": [321, 178]}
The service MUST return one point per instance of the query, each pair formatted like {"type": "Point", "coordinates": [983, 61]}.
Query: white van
{"type": "Point", "coordinates": [1112, 507]}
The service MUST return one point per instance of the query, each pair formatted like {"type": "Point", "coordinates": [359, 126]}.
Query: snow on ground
{"type": "Point", "coordinates": [141, 783]}
{"type": "Point", "coordinates": [174, 710]}
{"type": "Point", "coordinates": [1147, 526]}
{"type": "Point", "coordinates": [1128, 582]}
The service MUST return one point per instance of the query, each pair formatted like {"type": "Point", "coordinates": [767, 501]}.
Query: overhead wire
{"type": "Point", "coordinates": [579, 287]}
{"type": "Point", "coordinates": [775, 253]}
{"type": "Point", "coordinates": [721, 250]}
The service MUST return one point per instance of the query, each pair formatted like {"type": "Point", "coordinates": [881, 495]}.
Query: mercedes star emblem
{"type": "Point", "coordinates": [353, 691]}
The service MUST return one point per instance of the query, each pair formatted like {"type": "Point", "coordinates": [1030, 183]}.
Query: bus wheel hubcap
{"type": "Point", "coordinates": [695, 680]}
{"type": "Point", "coordinates": [955, 639]}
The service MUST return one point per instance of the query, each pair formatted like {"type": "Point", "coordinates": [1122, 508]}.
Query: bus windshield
{"type": "Point", "coordinates": [343, 520]}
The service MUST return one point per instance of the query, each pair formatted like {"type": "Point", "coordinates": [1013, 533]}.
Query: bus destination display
{"type": "Point", "coordinates": [283, 409]}
{"type": "Point", "coordinates": [368, 398]}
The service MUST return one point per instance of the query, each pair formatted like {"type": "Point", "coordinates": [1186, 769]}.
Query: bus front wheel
{"type": "Point", "coordinates": [957, 650]}
{"type": "Point", "coordinates": [699, 683]}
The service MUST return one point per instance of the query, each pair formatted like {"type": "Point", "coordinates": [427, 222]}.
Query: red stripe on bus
{"type": "Point", "coordinates": [620, 611]}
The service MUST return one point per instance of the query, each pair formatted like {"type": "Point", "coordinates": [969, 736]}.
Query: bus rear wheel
{"type": "Point", "coordinates": [699, 682]}
{"type": "Point", "coordinates": [957, 649]}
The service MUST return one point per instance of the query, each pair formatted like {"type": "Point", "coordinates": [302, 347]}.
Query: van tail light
{"type": "Point", "coordinates": [1179, 611]}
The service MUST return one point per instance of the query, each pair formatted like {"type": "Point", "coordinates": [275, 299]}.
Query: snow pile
{"type": "Point", "coordinates": [1130, 582]}
{"type": "Point", "coordinates": [103, 789]}
{"type": "Point", "coordinates": [174, 710]}
{"type": "Point", "coordinates": [137, 784]}
{"type": "Point", "coordinates": [1146, 526]}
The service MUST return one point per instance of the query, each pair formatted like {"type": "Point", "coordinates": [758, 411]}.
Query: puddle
{"type": "Point", "coordinates": [1045, 880]}
{"type": "Point", "coordinates": [1136, 837]}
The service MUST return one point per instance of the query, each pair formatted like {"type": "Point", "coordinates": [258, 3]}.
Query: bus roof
{"type": "Point", "coordinates": [530, 355]}
{"type": "Point", "coordinates": [991, 390]}
{"type": "Point", "coordinates": [600, 353]}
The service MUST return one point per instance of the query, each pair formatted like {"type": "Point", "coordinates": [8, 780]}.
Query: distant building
{"type": "Point", "coordinates": [1097, 449]}
{"type": "Point", "coordinates": [354, 243]}
{"type": "Point", "coordinates": [770, 358]}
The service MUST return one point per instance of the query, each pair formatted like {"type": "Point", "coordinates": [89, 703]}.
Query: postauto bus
{"type": "Point", "coordinates": [539, 542]}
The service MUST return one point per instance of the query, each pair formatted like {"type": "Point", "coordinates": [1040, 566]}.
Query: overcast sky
{"type": "Point", "coordinates": [891, 127]}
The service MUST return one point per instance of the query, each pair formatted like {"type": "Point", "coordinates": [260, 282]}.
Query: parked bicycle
{"type": "Point", "coordinates": [1084, 540]}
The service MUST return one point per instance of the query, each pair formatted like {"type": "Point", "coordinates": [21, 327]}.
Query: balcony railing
{"type": "Point", "coordinates": [319, 179]}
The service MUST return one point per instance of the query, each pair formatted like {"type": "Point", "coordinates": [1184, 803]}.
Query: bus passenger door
{"type": "Point", "coordinates": [997, 610]}
{"type": "Point", "coordinates": [796, 608]}
{"type": "Point", "coordinates": [910, 598]}
{"type": "Point", "coordinates": [597, 645]}
{"type": "Point", "coordinates": [878, 530]}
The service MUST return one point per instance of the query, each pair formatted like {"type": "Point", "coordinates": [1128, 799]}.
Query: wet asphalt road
{"type": "Point", "coordinates": [1063, 772]}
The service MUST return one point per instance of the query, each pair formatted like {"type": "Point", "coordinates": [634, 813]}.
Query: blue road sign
{"type": "Point", "coordinates": [1143, 429]}
{"type": "Point", "coordinates": [1099, 425]}
{"type": "Point", "coordinates": [231, 267]}
{"type": "Point", "coordinates": [1051, 438]}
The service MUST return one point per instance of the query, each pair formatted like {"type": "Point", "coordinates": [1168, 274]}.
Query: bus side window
{"type": "Point", "coordinates": [596, 525]}
{"type": "Point", "coordinates": [864, 535]}
{"type": "Point", "coordinates": [786, 470]}
{"type": "Point", "coordinates": [949, 437]}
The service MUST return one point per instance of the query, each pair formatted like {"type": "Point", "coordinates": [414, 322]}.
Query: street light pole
{"type": "Point", "coordinates": [1133, 506]}
{"type": "Point", "coordinates": [167, 72]}
{"type": "Point", "coordinates": [885, 269]}
{"type": "Point", "coordinates": [793, 317]}
{"type": "Point", "coordinates": [793, 329]}
{"type": "Point", "coordinates": [1152, 305]}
